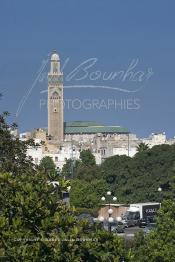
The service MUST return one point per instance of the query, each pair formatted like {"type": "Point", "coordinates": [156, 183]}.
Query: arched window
{"type": "Point", "coordinates": [55, 95]}
{"type": "Point", "coordinates": [55, 67]}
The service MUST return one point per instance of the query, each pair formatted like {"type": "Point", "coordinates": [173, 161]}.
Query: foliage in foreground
{"type": "Point", "coordinates": [35, 224]}
{"type": "Point", "coordinates": [158, 245]}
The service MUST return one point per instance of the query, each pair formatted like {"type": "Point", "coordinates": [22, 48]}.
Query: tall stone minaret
{"type": "Point", "coordinates": [55, 100]}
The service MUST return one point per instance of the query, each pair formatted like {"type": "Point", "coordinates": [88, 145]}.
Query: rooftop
{"type": "Point", "coordinates": [81, 124]}
{"type": "Point", "coordinates": [91, 127]}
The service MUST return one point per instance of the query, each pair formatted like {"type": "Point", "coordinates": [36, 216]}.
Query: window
{"type": "Point", "coordinates": [56, 159]}
{"type": "Point", "coordinates": [55, 95]}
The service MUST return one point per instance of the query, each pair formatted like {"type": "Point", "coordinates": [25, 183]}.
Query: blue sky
{"type": "Point", "coordinates": [114, 33]}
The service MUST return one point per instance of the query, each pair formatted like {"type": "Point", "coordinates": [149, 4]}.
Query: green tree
{"type": "Point", "coordinates": [87, 194]}
{"type": "Point", "coordinates": [159, 245]}
{"type": "Point", "coordinates": [32, 211]}
{"type": "Point", "coordinates": [69, 168]}
{"type": "Point", "coordinates": [87, 158]}
{"type": "Point", "coordinates": [85, 168]}
{"type": "Point", "coordinates": [142, 147]}
{"type": "Point", "coordinates": [104, 247]}
{"type": "Point", "coordinates": [87, 173]}
{"type": "Point", "coordinates": [35, 224]}
{"type": "Point", "coordinates": [48, 166]}
{"type": "Point", "coordinates": [130, 178]}
{"type": "Point", "coordinates": [13, 152]}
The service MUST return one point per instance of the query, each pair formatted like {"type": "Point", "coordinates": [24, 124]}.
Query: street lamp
{"type": "Point", "coordinates": [160, 193]}
{"type": "Point", "coordinates": [110, 221]}
{"type": "Point", "coordinates": [118, 219]}
{"type": "Point", "coordinates": [110, 210]}
{"type": "Point", "coordinates": [101, 218]}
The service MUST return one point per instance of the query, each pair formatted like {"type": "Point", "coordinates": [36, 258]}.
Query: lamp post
{"type": "Point", "coordinates": [72, 159]}
{"type": "Point", "coordinates": [160, 191]}
{"type": "Point", "coordinates": [110, 210]}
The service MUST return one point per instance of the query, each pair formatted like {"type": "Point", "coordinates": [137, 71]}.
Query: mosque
{"type": "Point", "coordinates": [64, 140]}
{"type": "Point", "coordinates": [58, 130]}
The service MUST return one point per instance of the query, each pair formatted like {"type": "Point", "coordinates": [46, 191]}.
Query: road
{"type": "Point", "coordinates": [130, 232]}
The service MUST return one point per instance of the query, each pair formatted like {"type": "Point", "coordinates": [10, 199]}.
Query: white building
{"type": "Point", "coordinates": [101, 146]}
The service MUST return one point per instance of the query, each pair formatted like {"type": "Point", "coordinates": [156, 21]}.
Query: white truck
{"type": "Point", "coordinates": [140, 213]}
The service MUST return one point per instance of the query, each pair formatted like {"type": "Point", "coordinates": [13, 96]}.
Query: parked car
{"type": "Point", "coordinates": [120, 228]}
{"type": "Point", "coordinates": [142, 222]}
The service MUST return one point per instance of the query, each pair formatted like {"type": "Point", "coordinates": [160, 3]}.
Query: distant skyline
{"type": "Point", "coordinates": [118, 60]}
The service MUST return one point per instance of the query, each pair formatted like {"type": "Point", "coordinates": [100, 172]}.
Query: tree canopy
{"type": "Point", "coordinates": [158, 245]}
{"type": "Point", "coordinates": [48, 166]}
{"type": "Point", "coordinates": [13, 156]}
{"type": "Point", "coordinates": [132, 180]}
{"type": "Point", "coordinates": [35, 223]}
{"type": "Point", "coordinates": [87, 158]}
{"type": "Point", "coordinates": [142, 147]}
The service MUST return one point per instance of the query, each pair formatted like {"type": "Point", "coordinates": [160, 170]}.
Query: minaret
{"type": "Point", "coordinates": [55, 100]}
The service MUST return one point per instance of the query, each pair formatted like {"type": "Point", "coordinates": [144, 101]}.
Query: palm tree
{"type": "Point", "coordinates": [142, 147]}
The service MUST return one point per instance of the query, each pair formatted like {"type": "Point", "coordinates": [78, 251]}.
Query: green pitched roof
{"type": "Point", "coordinates": [81, 124]}
{"type": "Point", "coordinates": [90, 127]}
